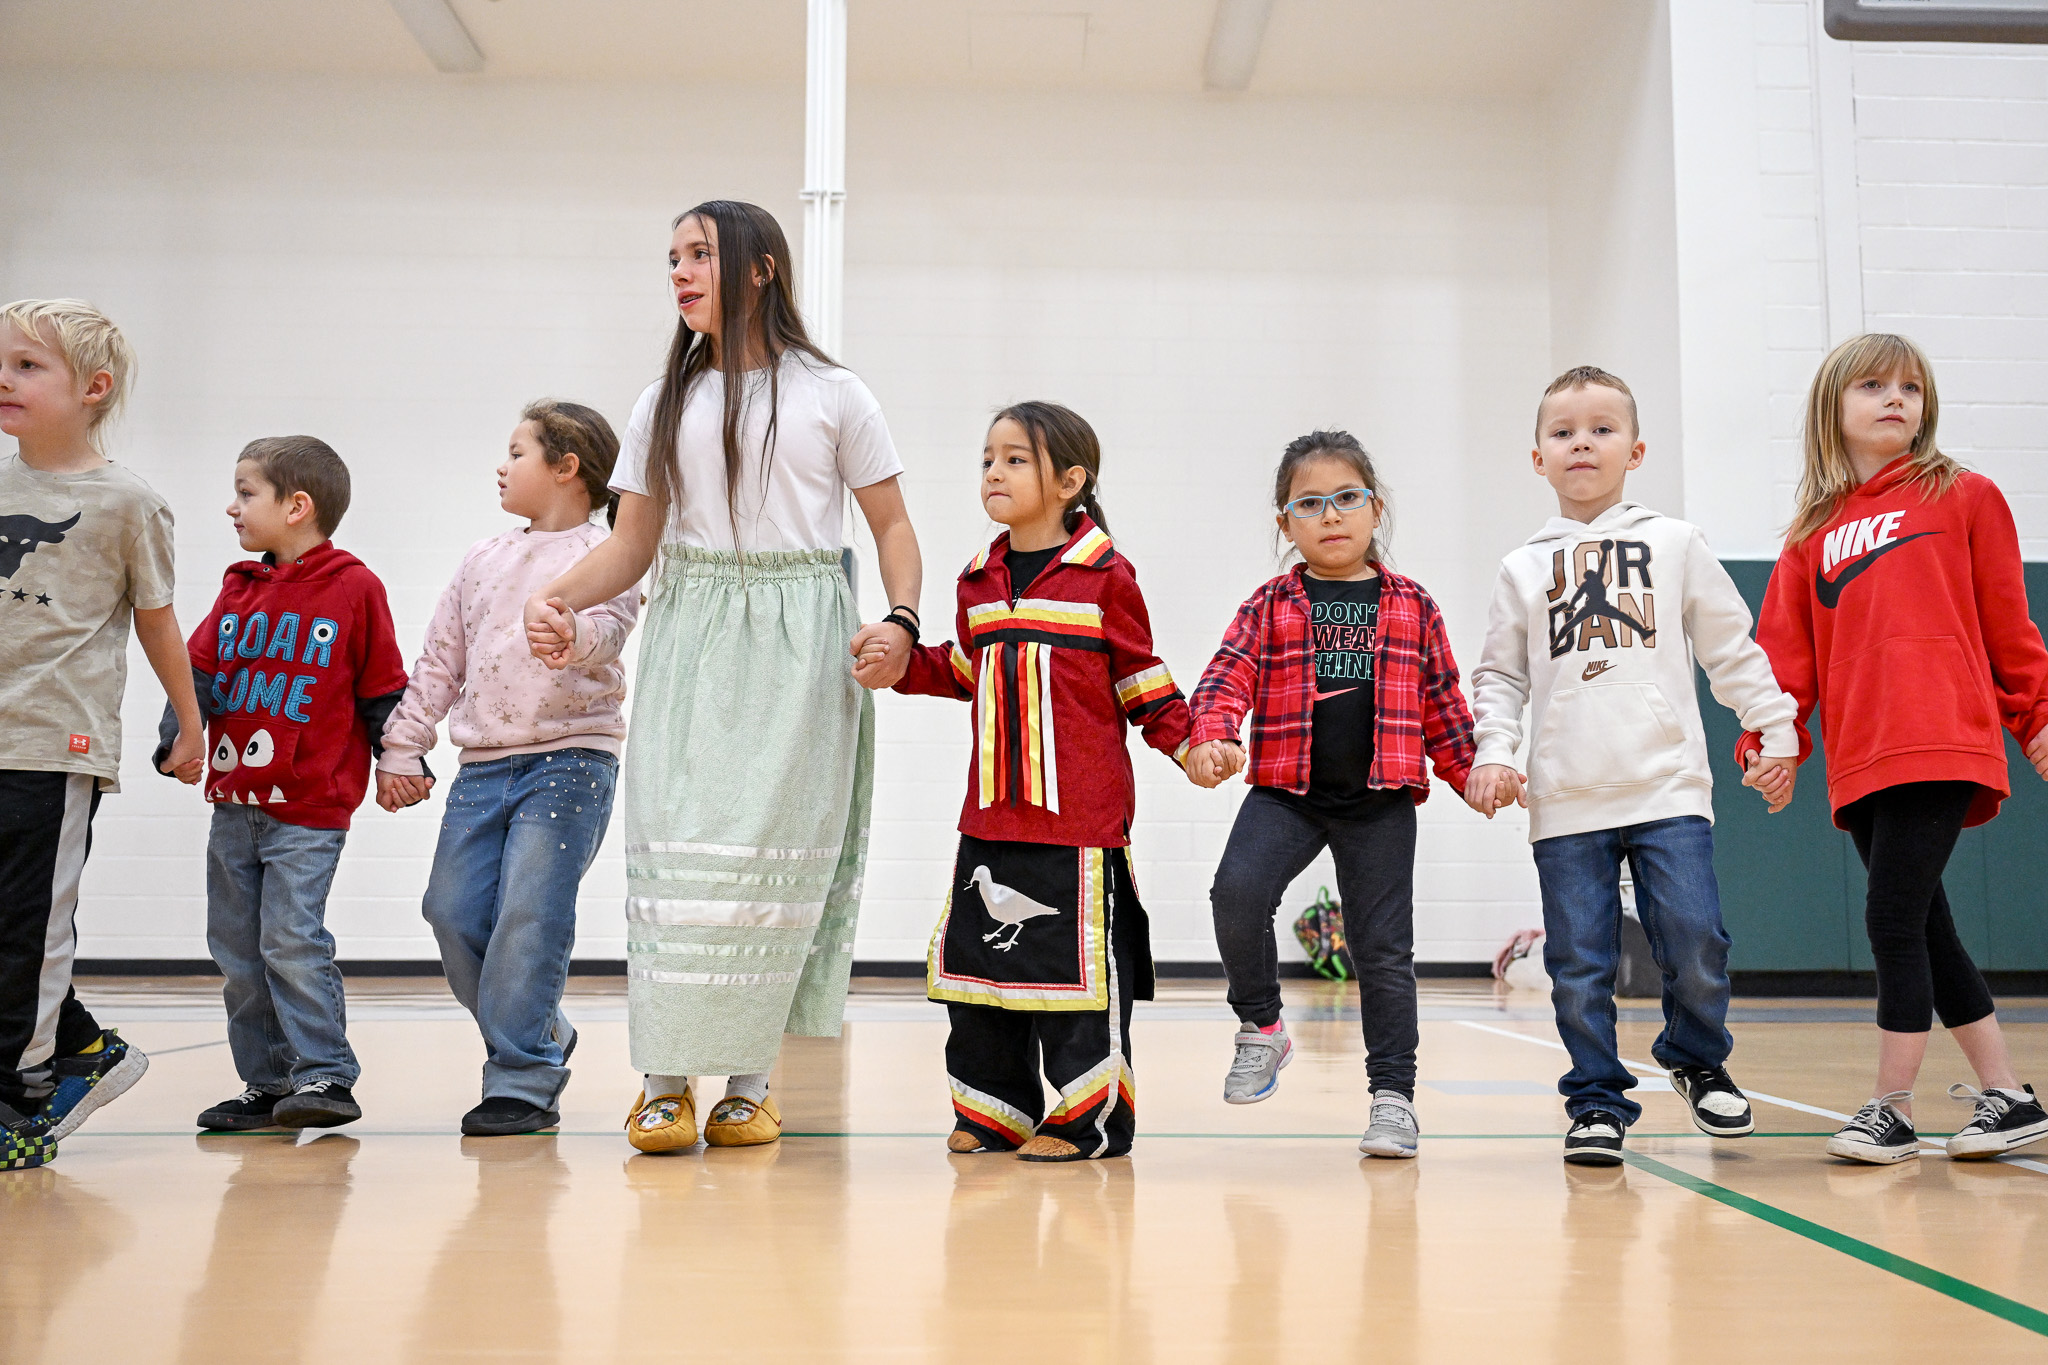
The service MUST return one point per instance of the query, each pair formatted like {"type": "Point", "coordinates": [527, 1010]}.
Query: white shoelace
{"type": "Point", "coordinates": [1250, 1058]}
{"type": "Point", "coordinates": [1391, 1113]}
{"type": "Point", "coordinates": [1991, 1105]}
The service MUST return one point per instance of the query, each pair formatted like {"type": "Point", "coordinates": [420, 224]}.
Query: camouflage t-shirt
{"type": "Point", "coordinates": [79, 555]}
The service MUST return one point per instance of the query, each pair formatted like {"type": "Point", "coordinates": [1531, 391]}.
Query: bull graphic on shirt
{"type": "Point", "coordinates": [22, 535]}
{"type": "Point", "coordinates": [1589, 613]}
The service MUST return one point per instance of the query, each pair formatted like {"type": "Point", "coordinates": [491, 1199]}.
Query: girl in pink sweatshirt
{"type": "Point", "coordinates": [540, 752]}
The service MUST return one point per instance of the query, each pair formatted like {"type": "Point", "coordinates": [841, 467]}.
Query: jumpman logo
{"type": "Point", "coordinates": [1590, 603]}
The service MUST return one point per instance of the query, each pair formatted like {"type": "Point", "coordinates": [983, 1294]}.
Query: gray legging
{"type": "Point", "coordinates": [1275, 837]}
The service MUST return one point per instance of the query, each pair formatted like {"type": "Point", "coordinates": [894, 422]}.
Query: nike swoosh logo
{"type": "Point", "coordinates": [1594, 670]}
{"type": "Point", "coordinates": [1829, 591]}
{"type": "Point", "coordinates": [1325, 696]}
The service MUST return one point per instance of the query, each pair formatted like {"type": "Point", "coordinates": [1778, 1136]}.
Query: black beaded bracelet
{"type": "Point", "coordinates": [897, 618]}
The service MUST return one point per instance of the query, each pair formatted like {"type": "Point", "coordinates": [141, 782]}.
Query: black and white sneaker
{"type": "Point", "coordinates": [1879, 1134]}
{"type": "Point", "coordinates": [1594, 1139]}
{"type": "Point", "coordinates": [244, 1113]}
{"type": "Point", "coordinates": [1719, 1109]}
{"type": "Point", "coordinates": [321, 1103]}
{"type": "Point", "coordinates": [2005, 1120]}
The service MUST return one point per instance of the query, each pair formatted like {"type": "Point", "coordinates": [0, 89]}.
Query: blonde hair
{"type": "Point", "coordinates": [1827, 476]}
{"type": "Point", "coordinates": [1583, 377]}
{"type": "Point", "coordinates": [87, 339]}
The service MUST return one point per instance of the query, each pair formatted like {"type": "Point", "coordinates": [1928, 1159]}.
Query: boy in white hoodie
{"type": "Point", "coordinates": [1595, 625]}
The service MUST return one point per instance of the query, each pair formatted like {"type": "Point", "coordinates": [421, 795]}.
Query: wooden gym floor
{"type": "Point", "coordinates": [1253, 1234]}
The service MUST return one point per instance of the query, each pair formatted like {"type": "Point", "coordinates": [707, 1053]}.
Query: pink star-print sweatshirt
{"type": "Point", "coordinates": [476, 669]}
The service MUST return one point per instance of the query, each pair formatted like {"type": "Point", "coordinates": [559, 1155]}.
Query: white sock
{"type": "Point", "coordinates": [657, 1086]}
{"type": "Point", "coordinates": [2013, 1093]}
{"type": "Point", "coordinates": [754, 1087]}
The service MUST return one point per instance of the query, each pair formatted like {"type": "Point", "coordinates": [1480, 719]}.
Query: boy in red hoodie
{"type": "Point", "coordinates": [297, 668]}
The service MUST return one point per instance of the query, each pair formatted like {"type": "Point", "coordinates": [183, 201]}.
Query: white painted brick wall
{"type": "Point", "coordinates": [1950, 152]}
{"type": "Point", "coordinates": [397, 265]}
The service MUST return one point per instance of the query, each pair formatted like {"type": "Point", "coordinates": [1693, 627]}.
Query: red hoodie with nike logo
{"type": "Point", "coordinates": [1904, 621]}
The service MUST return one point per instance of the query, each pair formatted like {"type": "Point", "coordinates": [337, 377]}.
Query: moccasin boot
{"type": "Point", "coordinates": [666, 1123]}
{"type": "Point", "coordinates": [737, 1121]}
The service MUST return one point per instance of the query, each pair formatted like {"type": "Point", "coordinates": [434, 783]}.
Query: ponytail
{"type": "Point", "coordinates": [1064, 441]}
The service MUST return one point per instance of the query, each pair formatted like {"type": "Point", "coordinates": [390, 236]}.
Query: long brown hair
{"type": "Point", "coordinates": [571, 429]}
{"type": "Point", "coordinates": [1828, 476]}
{"type": "Point", "coordinates": [752, 319]}
{"type": "Point", "coordinates": [1063, 440]}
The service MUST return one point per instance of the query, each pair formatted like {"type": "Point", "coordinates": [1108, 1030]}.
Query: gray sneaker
{"type": "Point", "coordinates": [1255, 1070]}
{"type": "Point", "coordinates": [1393, 1131]}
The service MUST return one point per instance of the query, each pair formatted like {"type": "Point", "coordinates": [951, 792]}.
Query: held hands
{"type": "Point", "coordinates": [1213, 763]}
{"type": "Point", "coordinates": [187, 759]}
{"type": "Point", "coordinates": [1774, 778]}
{"type": "Point", "coordinates": [881, 655]}
{"type": "Point", "coordinates": [1516, 948]}
{"type": "Point", "coordinates": [2037, 753]}
{"type": "Point", "coordinates": [1491, 787]}
{"type": "Point", "coordinates": [550, 631]}
{"type": "Point", "coordinates": [396, 791]}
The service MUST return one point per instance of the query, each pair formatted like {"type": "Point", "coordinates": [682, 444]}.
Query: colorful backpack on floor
{"type": "Point", "coordinates": [1321, 932]}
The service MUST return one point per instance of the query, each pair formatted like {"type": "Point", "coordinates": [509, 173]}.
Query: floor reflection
{"type": "Point", "coordinates": [492, 1295]}
{"type": "Point", "coordinates": [54, 1233]}
{"type": "Point", "coordinates": [277, 1216]}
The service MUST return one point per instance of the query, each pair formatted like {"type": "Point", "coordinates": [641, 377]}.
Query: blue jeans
{"type": "Point", "coordinates": [266, 912]}
{"type": "Point", "coordinates": [517, 836]}
{"type": "Point", "coordinates": [1679, 904]}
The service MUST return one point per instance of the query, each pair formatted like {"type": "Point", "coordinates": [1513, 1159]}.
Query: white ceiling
{"type": "Point", "coordinates": [1466, 48]}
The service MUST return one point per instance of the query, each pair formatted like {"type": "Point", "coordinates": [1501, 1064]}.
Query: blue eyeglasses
{"type": "Point", "coordinates": [1344, 500]}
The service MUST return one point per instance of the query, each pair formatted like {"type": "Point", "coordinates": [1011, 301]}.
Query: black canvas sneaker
{"type": "Point", "coordinates": [246, 1111]}
{"type": "Point", "coordinates": [321, 1103]}
{"type": "Point", "coordinates": [1880, 1133]}
{"type": "Point", "coordinates": [2003, 1122]}
{"type": "Point", "coordinates": [1719, 1109]}
{"type": "Point", "coordinates": [1594, 1139]}
{"type": "Point", "coordinates": [501, 1116]}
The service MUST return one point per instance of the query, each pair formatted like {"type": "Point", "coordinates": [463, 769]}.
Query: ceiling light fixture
{"type": "Point", "coordinates": [440, 34]}
{"type": "Point", "coordinates": [1235, 37]}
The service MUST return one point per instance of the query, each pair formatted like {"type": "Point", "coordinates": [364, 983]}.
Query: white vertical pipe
{"type": "Point", "coordinates": [823, 278]}
{"type": "Point", "coordinates": [1841, 232]}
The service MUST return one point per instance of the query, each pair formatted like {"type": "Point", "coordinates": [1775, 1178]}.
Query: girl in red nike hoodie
{"type": "Point", "coordinates": [1898, 608]}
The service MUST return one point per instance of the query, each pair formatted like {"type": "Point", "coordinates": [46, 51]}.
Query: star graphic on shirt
{"type": "Point", "coordinates": [21, 594]}
{"type": "Point", "coordinates": [42, 599]}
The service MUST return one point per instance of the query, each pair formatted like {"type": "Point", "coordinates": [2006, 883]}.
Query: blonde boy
{"type": "Point", "coordinates": [85, 548]}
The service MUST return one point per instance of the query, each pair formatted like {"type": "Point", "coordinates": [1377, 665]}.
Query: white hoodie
{"type": "Point", "coordinates": [1597, 625]}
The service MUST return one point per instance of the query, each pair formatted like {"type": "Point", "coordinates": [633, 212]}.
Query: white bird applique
{"type": "Point", "coordinates": [1008, 907]}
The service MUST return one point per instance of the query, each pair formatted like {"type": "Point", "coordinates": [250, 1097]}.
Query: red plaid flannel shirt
{"type": "Point", "coordinates": [1266, 666]}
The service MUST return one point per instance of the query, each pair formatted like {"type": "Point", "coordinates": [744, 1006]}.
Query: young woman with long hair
{"type": "Point", "coordinates": [749, 763]}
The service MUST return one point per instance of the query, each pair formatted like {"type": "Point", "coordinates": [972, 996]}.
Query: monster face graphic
{"type": "Point", "coordinates": [21, 536]}
{"type": "Point", "coordinates": [249, 762]}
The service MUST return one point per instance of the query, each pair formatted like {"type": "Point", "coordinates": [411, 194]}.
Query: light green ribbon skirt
{"type": "Point", "coordinates": [749, 775]}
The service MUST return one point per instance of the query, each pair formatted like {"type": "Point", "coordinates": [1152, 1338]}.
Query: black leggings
{"type": "Point", "coordinates": [1904, 835]}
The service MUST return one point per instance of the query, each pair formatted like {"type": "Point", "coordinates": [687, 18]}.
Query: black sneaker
{"type": "Point", "coordinates": [249, 1110]}
{"type": "Point", "coordinates": [322, 1103]}
{"type": "Point", "coordinates": [501, 1116]}
{"type": "Point", "coordinates": [25, 1141]}
{"type": "Point", "coordinates": [85, 1081]}
{"type": "Point", "coordinates": [1879, 1134]}
{"type": "Point", "coordinates": [1594, 1139]}
{"type": "Point", "coordinates": [1719, 1109]}
{"type": "Point", "coordinates": [2001, 1123]}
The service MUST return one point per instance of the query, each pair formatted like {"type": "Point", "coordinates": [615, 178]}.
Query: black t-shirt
{"type": "Point", "coordinates": [1344, 628]}
{"type": "Point", "coordinates": [1026, 565]}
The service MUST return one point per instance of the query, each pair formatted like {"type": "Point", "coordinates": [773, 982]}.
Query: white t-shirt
{"type": "Point", "coordinates": [829, 436]}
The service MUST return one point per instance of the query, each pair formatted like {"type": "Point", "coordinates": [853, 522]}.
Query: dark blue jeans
{"type": "Point", "coordinates": [1680, 907]}
{"type": "Point", "coordinates": [517, 836]}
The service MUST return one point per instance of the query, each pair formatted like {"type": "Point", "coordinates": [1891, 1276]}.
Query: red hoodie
{"type": "Point", "coordinates": [291, 649]}
{"type": "Point", "coordinates": [1906, 622]}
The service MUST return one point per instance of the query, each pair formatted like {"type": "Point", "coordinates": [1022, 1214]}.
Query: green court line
{"type": "Point", "coordinates": [930, 1133]}
{"type": "Point", "coordinates": [1962, 1291]}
